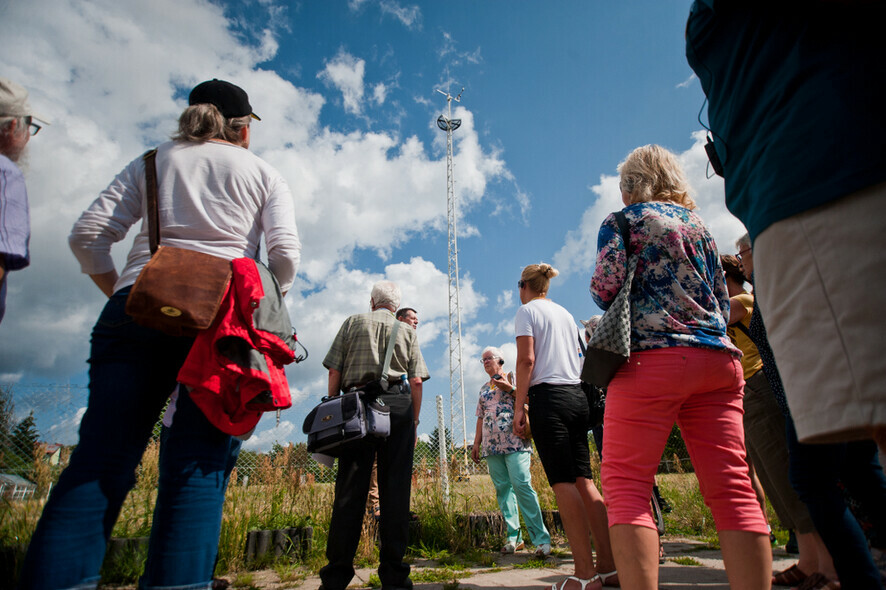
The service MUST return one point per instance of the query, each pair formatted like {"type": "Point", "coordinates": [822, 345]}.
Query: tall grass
{"type": "Point", "coordinates": [281, 494]}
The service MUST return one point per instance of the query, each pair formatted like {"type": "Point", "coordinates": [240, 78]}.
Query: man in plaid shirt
{"type": "Point", "coordinates": [356, 358]}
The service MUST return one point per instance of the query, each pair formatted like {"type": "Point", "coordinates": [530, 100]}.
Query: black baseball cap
{"type": "Point", "coordinates": [231, 100]}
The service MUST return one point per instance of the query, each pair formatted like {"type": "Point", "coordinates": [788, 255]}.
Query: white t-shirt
{"type": "Point", "coordinates": [556, 342]}
{"type": "Point", "coordinates": [215, 198]}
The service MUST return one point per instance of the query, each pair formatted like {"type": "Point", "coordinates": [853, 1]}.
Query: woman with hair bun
{"type": "Point", "coordinates": [683, 368]}
{"type": "Point", "coordinates": [548, 369]}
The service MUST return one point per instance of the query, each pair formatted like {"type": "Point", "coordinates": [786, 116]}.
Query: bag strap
{"type": "Point", "coordinates": [153, 212]}
{"type": "Point", "coordinates": [625, 228]}
{"type": "Point", "coordinates": [390, 350]}
{"type": "Point", "coordinates": [741, 327]}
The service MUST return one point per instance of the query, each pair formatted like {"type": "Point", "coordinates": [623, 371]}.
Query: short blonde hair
{"type": "Point", "coordinates": [538, 276]}
{"type": "Point", "coordinates": [652, 173]}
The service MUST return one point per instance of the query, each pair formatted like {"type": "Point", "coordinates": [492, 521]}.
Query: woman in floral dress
{"type": "Point", "coordinates": [507, 456]}
{"type": "Point", "coordinates": [682, 368]}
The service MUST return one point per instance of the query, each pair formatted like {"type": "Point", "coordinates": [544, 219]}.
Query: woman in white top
{"type": "Point", "coordinates": [214, 197]}
{"type": "Point", "coordinates": [548, 369]}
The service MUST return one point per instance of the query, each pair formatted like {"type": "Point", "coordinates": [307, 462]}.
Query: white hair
{"type": "Point", "coordinates": [591, 324]}
{"type": "Point", "coordinates": [743, 242]}
{"type": "Point", "coordinates": [386, 293]}
{"type": "Point", "coordinates": [496, 352]}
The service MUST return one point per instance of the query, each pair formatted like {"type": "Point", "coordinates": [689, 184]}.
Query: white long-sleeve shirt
{"type": "Point", "coordinates": [214, 197]}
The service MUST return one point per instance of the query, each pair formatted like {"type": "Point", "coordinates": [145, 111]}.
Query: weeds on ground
{"type": "Point", "coordinates": [244, 580]}
{"type": "Point", "coordinates": [438, 575]}
{"type": "Point", "coordinates": [685, 560]}
{"type": "Point", "coordinates": [535, 563]}
{"type": "Point", "coordinates": [453, 585]}
{"type": "Point", "coordinates": [290, 572]}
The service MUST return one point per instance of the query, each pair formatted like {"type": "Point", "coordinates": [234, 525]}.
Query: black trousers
{"type": "Point", "coordinates": [394, 487]}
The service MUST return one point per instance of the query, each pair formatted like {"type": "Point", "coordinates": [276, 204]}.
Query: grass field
{"type": "Point", "coordinates": [280, 497]}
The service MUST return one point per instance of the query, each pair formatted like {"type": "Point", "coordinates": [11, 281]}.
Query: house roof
{"type": "Point", "coordinates": [15, 480]}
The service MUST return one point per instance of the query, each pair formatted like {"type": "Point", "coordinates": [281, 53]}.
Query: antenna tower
{"type": "Point", "coordinates": [456, 372]}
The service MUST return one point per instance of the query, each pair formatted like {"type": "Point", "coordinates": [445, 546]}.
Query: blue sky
{"type": "Point", "coordinates": [556, 94]}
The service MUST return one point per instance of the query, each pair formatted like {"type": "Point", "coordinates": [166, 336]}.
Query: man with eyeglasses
{"type": "Point", "coordinates": [16, 128]}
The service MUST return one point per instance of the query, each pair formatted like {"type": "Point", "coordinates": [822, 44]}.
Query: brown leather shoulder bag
{"type": "Point", "coordinates": [179, 291]}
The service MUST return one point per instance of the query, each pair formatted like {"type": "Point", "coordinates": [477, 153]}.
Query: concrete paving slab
{"type": "Point", "coordinates": [688, 564]}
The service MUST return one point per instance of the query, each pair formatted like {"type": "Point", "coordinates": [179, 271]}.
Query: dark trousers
{"type": "Point", "coordinates": [815, 471]}
{"type": "Point", "coordinates": [132, 372]}
{"type": "Point", "coordinates": [351, 488]}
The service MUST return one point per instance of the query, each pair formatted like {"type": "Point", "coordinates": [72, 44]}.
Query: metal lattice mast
{"type": "Point", "coordinates": [456, 372]}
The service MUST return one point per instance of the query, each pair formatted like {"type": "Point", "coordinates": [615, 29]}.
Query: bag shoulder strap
{"type": "Point", "coordinates": [741, 327]}
{"type": "Point", "coordinates": [390, 350]}
{"type": "Point", "coordinates": [150, 158]}
{"type": "Point", "coordinates": [625, 228]}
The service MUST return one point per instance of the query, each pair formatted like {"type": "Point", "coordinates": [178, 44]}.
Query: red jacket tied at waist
{"type": "Point", "coordinates": [235, 368]}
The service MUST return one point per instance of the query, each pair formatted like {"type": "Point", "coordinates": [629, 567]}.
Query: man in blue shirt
{"type": "Point", "coordinates": [16, 127]}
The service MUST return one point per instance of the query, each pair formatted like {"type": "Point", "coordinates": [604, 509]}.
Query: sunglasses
{"type": "Point", "coordinates": [521, 283]}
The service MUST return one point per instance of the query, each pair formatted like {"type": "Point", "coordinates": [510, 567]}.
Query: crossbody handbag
{"type": "Point", "coordinates": [179, 291]}
{"type": "Point", "coordinates": [610, 346]}
{"type": "Point", "coordinates": [339, 421]}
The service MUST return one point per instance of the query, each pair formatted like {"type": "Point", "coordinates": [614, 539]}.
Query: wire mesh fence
{"type": "Point", "coordinates": [38, 431]}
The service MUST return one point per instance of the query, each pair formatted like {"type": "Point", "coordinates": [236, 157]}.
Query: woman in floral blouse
{"type": "Point", "coordinates": [683, 367]}
{"type": "Point", "coordinates": [507, 456]}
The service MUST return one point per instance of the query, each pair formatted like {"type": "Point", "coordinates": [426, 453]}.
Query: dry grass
{"type": "Point", "coordinates": [282, 495]}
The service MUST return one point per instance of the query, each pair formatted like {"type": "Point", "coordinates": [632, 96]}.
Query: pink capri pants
{"type": "Point", "coordinates": [702, 390]}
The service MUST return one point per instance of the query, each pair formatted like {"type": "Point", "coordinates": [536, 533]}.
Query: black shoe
{"type": "Point", "coordinates": [791, 546]}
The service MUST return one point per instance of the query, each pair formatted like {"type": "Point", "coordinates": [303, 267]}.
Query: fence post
{"type": "Point", "coordinates": [441, 443]}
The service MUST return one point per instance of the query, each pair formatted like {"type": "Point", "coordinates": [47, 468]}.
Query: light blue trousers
{"type": "Point", "coordinates": [513, 487]}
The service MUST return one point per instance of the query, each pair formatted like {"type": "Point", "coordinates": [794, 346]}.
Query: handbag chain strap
{"type": "Point", "coordinates": [390, 351]}
{"type": "Point", "coordinates": [153, 212]}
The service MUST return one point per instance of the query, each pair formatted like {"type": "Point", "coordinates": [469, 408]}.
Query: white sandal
{"type": "Point", "coordinates": [604, 578]}
{"type": "Point", "coordinates": [583, 583]}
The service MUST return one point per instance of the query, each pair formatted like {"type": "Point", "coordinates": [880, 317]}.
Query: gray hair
{"type": "Point", "coordinates": [386, 293]}
{"type": "Point", "coordinates": [8, 137]}
{"type": "Point", "coordinates": [202, 122]}
{"type": "Point", "coordinates": [743, 242]}
{"type": "Point", "coordinates": [591, 324]}
{"type": "Point", "coordinates": [496, 352]}
{"type": "Point", "coordinates": [6, 121]}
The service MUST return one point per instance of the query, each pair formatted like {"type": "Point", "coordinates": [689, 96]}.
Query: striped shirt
{"type": "Point", "coordinates": [15, 223]}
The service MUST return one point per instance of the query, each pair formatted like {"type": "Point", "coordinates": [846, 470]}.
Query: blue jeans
{"type": "Point", "coordinates": [815, 470]}
{"type": "Point", "coordinates": [132, 372]}
{"type": "Point", "coordinates": [513, 487]}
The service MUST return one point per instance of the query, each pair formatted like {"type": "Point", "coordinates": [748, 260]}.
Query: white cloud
{"type": "Point", "coordinates": [685, 83]}
{"type": "Point", "coordinates": [579, 251]}
{"type": "Point", "coordinates": [379, 93]}
{"type": "Point", "coordinates": [263, 440]}
{"type": "Point", "coordinates": [113, 80]}
{"type": "Point", "coordinates": [345, 72]}
{"type": "Point", "coordinates": [65, 431]}
{"type": "Point", "coordinates": [410, 16]}
{"type": "Point", "coordinates": [506, 299]}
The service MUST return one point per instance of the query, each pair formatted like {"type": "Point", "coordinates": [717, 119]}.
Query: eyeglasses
{"type": "Point", "coordinates": [521, 283]}
{"type": "Point", "coordinates": [33, 128]}
{"type": "Point", "coordinates": [487, 359]}
{"type": "Point", "coordinates": [742, 252]}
